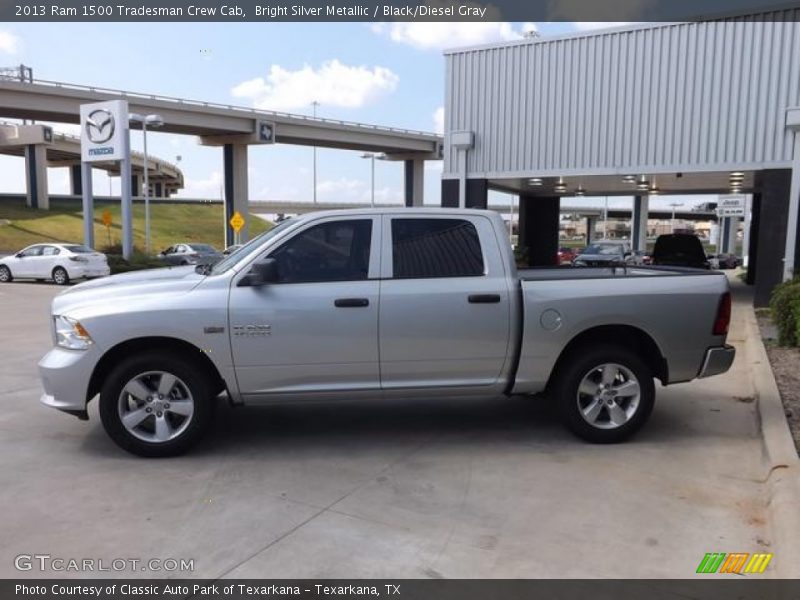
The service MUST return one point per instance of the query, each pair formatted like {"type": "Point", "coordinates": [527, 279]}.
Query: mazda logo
{"type": "Point", "coordinates": [100, 126]}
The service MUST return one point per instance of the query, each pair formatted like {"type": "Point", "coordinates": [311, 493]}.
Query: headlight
{"type": "Point", "coordinates": [71, 334]}
{"type": "Point", "coordinates": [578, 263]}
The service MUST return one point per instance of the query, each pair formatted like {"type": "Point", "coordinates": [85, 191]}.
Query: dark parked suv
{"type": "Point", "coordinates": [680, 250]}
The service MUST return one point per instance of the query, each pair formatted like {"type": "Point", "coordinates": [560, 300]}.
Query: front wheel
{"type": "Point", "coordinates": [156, 405]}
{"type": "Point", "coordinates": [5, 274]}
{"type": "Point", "coordinates": [605, 393]}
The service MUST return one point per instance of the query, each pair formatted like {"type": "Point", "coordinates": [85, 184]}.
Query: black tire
{"type": "Point", "coordinates": [586, 363]}
{"type": "Point", "coordinates": [60, 276]}
{"type": "Point", "coordinates": [196, 381]}
{"type": "Point", "coordinates": [5, 274]}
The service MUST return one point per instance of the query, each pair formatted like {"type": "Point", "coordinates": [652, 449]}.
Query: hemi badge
{"type": "Point", "coordinates": [213, 330]}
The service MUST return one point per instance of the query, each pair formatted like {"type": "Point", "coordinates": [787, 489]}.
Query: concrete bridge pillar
{"type": "Point", "coordinates": [136, 185]}
{"type": "Point", "coordinates": [414, 182]}
{"type": "Point", "coordinates": [235, 191]}
{"type": "Point", "coordinates": [36, 176]}
{"type": "Point", "coordinates": [75, 187]}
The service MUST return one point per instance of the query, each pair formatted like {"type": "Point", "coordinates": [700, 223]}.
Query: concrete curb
{"type": "Point", "coordinates": [783, 477]}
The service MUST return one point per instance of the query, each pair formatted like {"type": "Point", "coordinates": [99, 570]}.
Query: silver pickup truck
{"type": "Point", "coordinates": [379, 303]}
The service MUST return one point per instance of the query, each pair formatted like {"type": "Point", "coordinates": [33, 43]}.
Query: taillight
{"type": "Point", "coordinates": [723, 319]}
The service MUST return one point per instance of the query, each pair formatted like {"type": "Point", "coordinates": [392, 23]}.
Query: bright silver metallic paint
{"type": "Point", "coordinates": [415, 336]}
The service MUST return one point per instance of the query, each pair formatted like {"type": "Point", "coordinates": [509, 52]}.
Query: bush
{"type": "Point", "coordinates": [797, 322]}
{"type": "Point", "coordinates": [785, 307]}
{"type": "Point", "coordinates": [138, 261]}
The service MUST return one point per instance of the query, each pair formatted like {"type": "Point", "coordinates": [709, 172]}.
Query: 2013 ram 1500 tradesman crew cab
{"type": "Point", "coordinates": [379, 303]}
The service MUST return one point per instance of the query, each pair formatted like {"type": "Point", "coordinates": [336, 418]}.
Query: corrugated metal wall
{"type": "Point", "coordinates": [686, 96]}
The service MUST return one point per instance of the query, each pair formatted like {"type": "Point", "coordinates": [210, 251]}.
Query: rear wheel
{"type": "Point", "coordinates": [156, 405]}
{"type": "Point", "coordinates": [5, 274]}
{"type": "Point", "coordinates": [60, 276]}
{"type": "Point", "coordinates": [605, 393]}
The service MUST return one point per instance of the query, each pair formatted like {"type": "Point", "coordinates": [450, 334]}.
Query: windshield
{"type": "Point", "coordinates": [79, 249]}
{"type": "Point", "coordinates": [202, 248]}
{"type": "Point", "coordinates": [607, 249]}
{"type": "Point", "coordinates": [234, 256]}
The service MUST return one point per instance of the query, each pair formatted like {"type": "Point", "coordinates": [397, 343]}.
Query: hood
{"type": "Point", "coordinates": [126, 286]}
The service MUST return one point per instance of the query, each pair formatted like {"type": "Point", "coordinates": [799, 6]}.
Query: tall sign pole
{"type": "Point", "coordinates": [88, 204]}
{"type": "Point", "coordinates": [104, 138]}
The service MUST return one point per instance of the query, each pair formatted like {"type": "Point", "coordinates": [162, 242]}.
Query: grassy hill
{"type": "Point", "coordinates": [21, 226]}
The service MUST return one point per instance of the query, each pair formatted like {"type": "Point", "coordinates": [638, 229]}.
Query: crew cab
{"type": "Point", "coordinates": [379, 303]}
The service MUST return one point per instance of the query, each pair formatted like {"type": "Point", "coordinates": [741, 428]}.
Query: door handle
{"type": "Point", "coordinates": [483, 298]}
{"type": "Point", "coordinates": [350, 302]}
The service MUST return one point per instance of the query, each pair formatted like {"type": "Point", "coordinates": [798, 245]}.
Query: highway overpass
{"type": "Point", "coordinates": [233, 128]}
{"type": "Point", "coordinates": [64, 150]}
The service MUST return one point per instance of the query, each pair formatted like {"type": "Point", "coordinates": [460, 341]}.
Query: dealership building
{"type": "Point", "coordinates": [709, 107]}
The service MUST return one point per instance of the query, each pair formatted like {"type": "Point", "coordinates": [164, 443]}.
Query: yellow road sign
{"type": "Point", "coordinates": [107, 218]}
{"type": "Point", "coordinates": [237, 222]}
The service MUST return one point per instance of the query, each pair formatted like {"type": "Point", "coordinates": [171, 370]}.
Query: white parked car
{"type": "Point", "coordinates": [59, 262]}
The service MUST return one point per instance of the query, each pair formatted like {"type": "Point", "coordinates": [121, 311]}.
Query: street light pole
{"type": "Point", "coordinates": [155, 121]}
{"type": "Point", "coordinates": [372, 156]}
{"type": "Point", "coordinates": [605, 220]}
{"type": "Point", "coordinates": [314, 105]}
{"type": "Point", "coordinates": [674, 205]}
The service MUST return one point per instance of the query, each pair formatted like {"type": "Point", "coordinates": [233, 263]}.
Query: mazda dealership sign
{"type": "Point", "coordinates": [104, 130]}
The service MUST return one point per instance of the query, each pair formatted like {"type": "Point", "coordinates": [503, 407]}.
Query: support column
{"type": "Point", "coordinates": [772, 217]}
{"type": "Point", "coordinates": [791, 247]}
{"type": "Point", "coordinates": [36, 176]}
{"type": "Point", "coordinates": [236, 194]}
{"type": "Point", "coordinates": [449, 193]}
{"type": "Point", "coordinates": [136, 185]}
{"type": "Point", "coordinates": [476, 194]}
{"type": "Point", "coordinates": [752, 251]}
{"type": "Point", "coordinates": [538, 229]}
{"type": "Point", "coordinates": [591, 223]}
{"type": "Point", "coordinates": [85, 179]}
{"type": "Point", "coordinates": [414, 182]}
{"type": "Point", "coordinates": [641, 207]}
{"type": "Point", "coordinates": [158, 189]}
{"type": "Point", "coordinates": [75, 187]}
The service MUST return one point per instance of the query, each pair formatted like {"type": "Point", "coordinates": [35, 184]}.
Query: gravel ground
{"type": "Point", "coordinates": [785, 364]}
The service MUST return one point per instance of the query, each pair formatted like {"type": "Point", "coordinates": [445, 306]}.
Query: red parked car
{"type": "Point", "coordinates": [565, 256]}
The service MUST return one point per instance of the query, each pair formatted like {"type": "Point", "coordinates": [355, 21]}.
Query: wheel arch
{"type": "Point", "coordinates": [626, 336]}
{"type": "Point", "coordinates": [174, 346]}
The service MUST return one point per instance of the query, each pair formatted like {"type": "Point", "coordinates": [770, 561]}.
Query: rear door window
{"type": "Point", "coordinates": [426, 248]}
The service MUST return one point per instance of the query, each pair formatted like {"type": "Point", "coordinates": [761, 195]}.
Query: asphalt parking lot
{"type": "Point", "coordinates": [404, 490]}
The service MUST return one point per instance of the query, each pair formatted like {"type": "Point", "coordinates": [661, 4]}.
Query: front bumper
{"type": "Point", "coordinates": [717, 360]}
{"type": "Point", "coordinates": [65, 376]}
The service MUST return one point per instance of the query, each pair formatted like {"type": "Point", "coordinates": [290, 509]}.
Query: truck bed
{"type": "Point", "coordinates": [567, 272]}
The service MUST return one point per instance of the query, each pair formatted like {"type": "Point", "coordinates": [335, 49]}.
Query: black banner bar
{"type": "Point", "coordinates": [382, 10]}
{"type": "Point", "coordinates": [713, 588]}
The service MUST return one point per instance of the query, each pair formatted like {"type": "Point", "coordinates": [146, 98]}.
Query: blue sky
{"type": "Point", "coordinates": [388, 74]}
